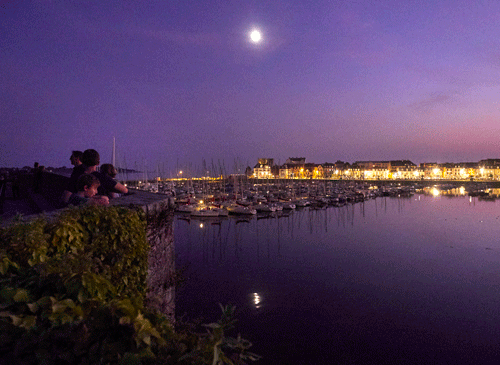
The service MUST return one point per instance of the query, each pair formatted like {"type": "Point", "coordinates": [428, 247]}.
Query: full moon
{"type": "Point", "coordinates": [255, 36]}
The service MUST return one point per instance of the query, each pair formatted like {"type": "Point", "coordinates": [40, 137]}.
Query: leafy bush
{"type": "Point", "coordinates": [73, 289]}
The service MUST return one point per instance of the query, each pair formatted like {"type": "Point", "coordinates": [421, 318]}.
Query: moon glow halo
{"type": "Point", "coordinates": [255, 36]}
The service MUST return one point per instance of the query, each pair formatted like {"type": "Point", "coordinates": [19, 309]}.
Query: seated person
{"type": "Point", "coordinates": [109, 170]}
{"type": "Point", "coordinates": [109, 186]}
{"type": "Point", "coordinates": [86, 186]}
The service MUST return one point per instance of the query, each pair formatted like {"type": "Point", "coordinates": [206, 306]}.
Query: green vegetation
{"type": "Point", "coordinates": [73, 290]}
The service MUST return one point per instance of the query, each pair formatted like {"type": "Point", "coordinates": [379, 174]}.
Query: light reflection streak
{"type": "Point", "coordinates": [257, 300]}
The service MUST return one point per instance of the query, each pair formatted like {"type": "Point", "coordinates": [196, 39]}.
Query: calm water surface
{"type": "Point", "coordinates": [391, 280]}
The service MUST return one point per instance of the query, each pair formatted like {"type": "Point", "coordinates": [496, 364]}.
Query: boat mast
{"type": "Point", "coordinates": [113, 154]}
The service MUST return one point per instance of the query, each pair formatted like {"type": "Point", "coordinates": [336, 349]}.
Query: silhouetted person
{"type": "Point", "coordinates": [78, 170]}
{"type": "Point", "coordinates": [33, 175]}
{"type": "Point", "coordinates": [16, 186]}
{"type": "Point", "coordinates": [109, 172]}
{"type": "Point", "coordinates": [3, 187]}
{"type": "Point", "coordinates": [38, 178]}
{"type": "Point", "coordinates": [76, 158]}
{"type": "Point", "coordinates": [108, 185]}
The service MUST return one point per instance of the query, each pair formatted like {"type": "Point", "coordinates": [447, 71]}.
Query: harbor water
{"type": "Point", "coordinates": [389, 280]}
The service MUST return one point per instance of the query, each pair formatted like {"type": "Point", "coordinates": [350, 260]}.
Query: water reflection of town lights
{"type": "Point", "coordinates": [435, 192]}
{"type": "Point", "coordinates": [462, 190]}
{"type": "Point", "coordinates": [256, 300]}
{"type": "Point", "coordinates": [201, 225]}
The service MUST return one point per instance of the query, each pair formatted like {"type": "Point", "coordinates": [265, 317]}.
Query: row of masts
{"type": "Point", "coordinates": [162, 171]}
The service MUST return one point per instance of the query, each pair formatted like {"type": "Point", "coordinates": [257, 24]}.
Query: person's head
{"type": "Point", "coordinates": [90, 158]}
{"type": "Point", "coordinates": [88, 184]}
{"type": "Point", "coordinates": [109, 169]}
{"type": "Point", "coordinates": [76, 158]}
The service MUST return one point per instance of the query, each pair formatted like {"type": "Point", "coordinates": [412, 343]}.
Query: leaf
{"type": "Point", "coordinates": [62, 305]}
{"type": "Point", "coordinates": [28, 322]}
{"type": "Point", "coordinates": [45, 301]}
{"type": "Point", "coordinates": [33, 307]}
{"type": "Point", "coordinates": [21, 296]}
{"type": "Point", "coordinates": [250, 356]}
{"type": "Point", "coordinates": [16, 320]}
{"type": "Point", "coordinates": [125, 320]}
{"type": "Point", "coordinates": [212, 325]}
{"type": "Point", "coordinates": [146, 339]}
{"type": "Point", "coordinates": [131, 359]}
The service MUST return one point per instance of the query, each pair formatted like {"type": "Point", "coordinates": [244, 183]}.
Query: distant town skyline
{"type": "Point", "coordinates": [176, 82]}
{"type": "Point", "coordinates": [268, 167]}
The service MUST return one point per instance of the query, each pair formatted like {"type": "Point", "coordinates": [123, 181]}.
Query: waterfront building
{"type": "Point", "coordinates": [383, 170]}
{"type": "Point", "coordinates": [470, 170]}
{"type": "Point", "coordinates": [402, 169]}
{"type": "Point", "coordinates": [376, 174]}
{"type": "Point", "coordinates": [370, 165]}
{"type": "Point", "coordinates": [491, 172]}
{"type": "Point", "coordinates": [340, 169]}
{"type": "Point", "coordinates": [451, 171]}
{"type": "Point", "coordinates": [431, 170]}
{"type": "Point", "coordinates": [455, 171]}
{"type": "Point", "coordinates": [328, 170]}
{"type": "Point", "coordinates": [285, 172]}
{"type": "Point", "coordinates": [370, 170]}
{"type": "Point", "coordinates": [293, 168]}
{"type": "Point", "coordinates": [356, 172]}
{"type": "Point", "coordinates": [297, 168]}
{"type": "Point", "coordinates": [263, 168]}
{"type": "Point", "coordinates": [493, 162]}
{"type": "Point", "coordinates": [491, 168]}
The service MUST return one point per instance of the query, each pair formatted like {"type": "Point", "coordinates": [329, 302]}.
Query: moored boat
{"type": "Point", "coordinates": [241, 210]}
{"type": "Point", "coordinates": [205, 212]}
{"type": "Point", "coordinates": [185, 208]}
{"type": "Point", "coordinates": [288, 206]}
{"type": "Point", "coordinates": [264, 208]}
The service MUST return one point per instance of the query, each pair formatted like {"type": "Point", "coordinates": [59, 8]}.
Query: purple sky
{"type": "Point", "coordinates": [181, 81]}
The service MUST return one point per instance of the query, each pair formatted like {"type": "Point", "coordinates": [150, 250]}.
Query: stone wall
{"type": "Point", "coordinates": [51, 187]}
{"type": "Point", "coordinates": [160, 214]}
{"type": "Point", "coordinates": [161, 263]}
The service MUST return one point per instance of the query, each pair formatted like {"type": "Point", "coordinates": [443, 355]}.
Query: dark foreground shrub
{"type": "Point", "coordinates": [73, 289]}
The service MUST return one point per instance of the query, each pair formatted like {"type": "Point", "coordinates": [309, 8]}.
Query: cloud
{"type": "Point", "coordinates": [430, 102]}
{"type": "Point", "coordinates": [493, 58]}
{"type": "Point", "coordinates": [181, 38]}
{"type": "Point", "coordinates": [113, 30]}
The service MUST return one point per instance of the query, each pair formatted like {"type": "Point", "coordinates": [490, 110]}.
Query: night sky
{"type": "Point", "coordinates": [180, 81]}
